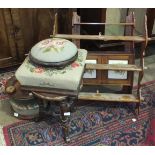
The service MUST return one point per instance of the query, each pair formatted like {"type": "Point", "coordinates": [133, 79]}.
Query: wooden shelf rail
{"type": "Point", "coordinates": [123, 24]}
{"type": "Point", "coordinates": [101, 37]}
{"type": "Point", "coordinates": [108, 97]}
{"type": "Point", "coordinates": [114, 67]}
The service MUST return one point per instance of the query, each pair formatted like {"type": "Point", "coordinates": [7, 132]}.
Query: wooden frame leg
{"type": "Point", "coordinates": [41, 109]}
{"type": "Point", "coordinates": [137, 108]}
{"type": "Point", "coordinates": [127, 89]}
{"type": "Point", "coordinates": [65, 118]}
{"type": "Point", "coordinates": [72, 102]}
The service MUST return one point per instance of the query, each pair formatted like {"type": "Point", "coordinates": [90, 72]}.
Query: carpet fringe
{"type": "Point", "coordinates": [2, 140]}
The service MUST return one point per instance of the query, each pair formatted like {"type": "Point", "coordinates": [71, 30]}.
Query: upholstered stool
{"type": "Point", "coordinates": [68, 78]}
{"type": "Point", "coordinates": [53, 52]}
{"type": "Point", "coordinates": [53, 71]}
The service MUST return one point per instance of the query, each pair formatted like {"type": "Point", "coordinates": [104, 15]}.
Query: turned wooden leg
{"type": "Point", "coordinates": [41, 109]}
{"type": "Point", "coordinates": [65, 118]}
{"type": "Point", "coordinates": [137, 108]}
{"type": "Point", "coordinates": [72, 102]}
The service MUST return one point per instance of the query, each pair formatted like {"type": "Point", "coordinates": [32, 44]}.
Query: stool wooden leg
{"type": "Point", "coordinates": [72, 102]}
{"type": "Point", "coordinates": [65, 118]}
{"type": "Point", "coordinates": [41, 108]}
{"type": "Point", "coordinates": [137, 108]}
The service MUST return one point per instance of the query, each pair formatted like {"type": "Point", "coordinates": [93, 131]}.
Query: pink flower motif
{"type": "Point", "coordinates": [74, 65]}
{"type": "Point", "coordinates": [52, 43]}
{"type": "Point", "coordinates": [59, 43]}
{"type": "Point", "coordinates": [45, 42]}
{"type": "Point", "coordinates": [38, 70]}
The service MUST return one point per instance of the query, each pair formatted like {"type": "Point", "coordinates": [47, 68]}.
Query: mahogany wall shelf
{"type": "Point", "coordinates": [103, 67]}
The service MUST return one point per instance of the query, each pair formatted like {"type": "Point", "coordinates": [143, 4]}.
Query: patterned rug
{"type": "Point", "coordinates": [3, 79]}
{"type": "Point", "coordinates": [94, 123]}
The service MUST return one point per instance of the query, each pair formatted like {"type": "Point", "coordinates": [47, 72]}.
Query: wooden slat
{"type": "Point", "coordinates": [113, 67]}
{"type": "Point", "coordinates": [57, 91]}
{"type": "Point", "coordinates": [100, 37]}
{"type": "Point", "coordinates": [108, 97]}
{"type": "Point", "coordinates": [83, 23]}
{"type": "Point", "coordinates": [49, 97]}
{"type": "Point", "coordinates": [10, 33]}
{"type": "Point", "coordinates": [18, 33]}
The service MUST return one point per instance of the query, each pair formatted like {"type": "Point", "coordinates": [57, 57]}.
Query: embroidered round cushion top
{"type": "Point", "coordinates": [53, 50]}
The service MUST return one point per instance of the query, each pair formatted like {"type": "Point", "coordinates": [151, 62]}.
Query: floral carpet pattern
{"type": "Point", "coordinates": [3, 79]}
{"type": "Point", "coordinates": [93, 123]}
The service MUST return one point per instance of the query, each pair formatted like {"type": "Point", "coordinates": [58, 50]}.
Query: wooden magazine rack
{"type": "Point", "coordinates": [103, 67]}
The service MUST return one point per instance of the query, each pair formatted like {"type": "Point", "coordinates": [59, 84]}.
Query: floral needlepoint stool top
{"type": "Point", "coordinates": [53, 52]}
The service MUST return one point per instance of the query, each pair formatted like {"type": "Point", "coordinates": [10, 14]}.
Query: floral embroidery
{"type": "Point", "coordinates": [52, 45]}
{"type": "Point", "coordinates": [50, 71]}
{"type": "Point", "coordinates": [44, 43]}
{"type": "Point", "coordinates": [74, 65]}
{"type": "Point", "coordinates": [38, 70]}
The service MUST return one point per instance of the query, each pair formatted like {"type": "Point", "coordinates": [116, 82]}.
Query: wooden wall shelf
{"type": "Point", "coordinates": [107, 62]}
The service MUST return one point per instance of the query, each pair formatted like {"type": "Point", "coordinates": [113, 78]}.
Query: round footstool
{"type": "Point", "coordinates": [54, 52]}
{"type": "Point", "coordinates": [23, 103]}
{"type": "Point", "coordinates": [25, 109]}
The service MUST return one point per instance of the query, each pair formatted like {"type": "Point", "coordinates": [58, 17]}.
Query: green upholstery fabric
{"type": "Point", "coordinates": [54, 50]}
{"type": "Point", "coordinates": [67, 78]}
